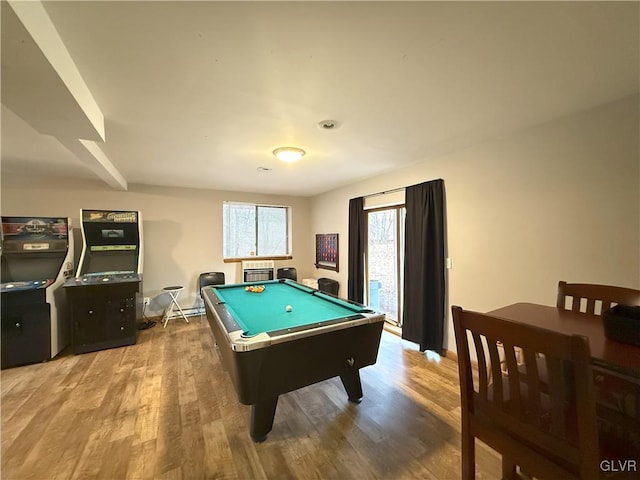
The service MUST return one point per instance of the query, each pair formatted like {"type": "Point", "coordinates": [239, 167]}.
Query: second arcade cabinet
{"type": "Point", "coordinates": [104, 296]}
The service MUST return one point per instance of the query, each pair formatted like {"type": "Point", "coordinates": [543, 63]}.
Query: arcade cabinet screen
{"type": "Point", "coordinates": [104, 236]}
{"type": "Point", "coordinates": [112, 233]}
{"type": "Point", "coordinates": [111, 258]}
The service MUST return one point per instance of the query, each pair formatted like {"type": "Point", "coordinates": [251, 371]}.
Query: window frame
{"type": "Point", "coordinates": [288, 235]}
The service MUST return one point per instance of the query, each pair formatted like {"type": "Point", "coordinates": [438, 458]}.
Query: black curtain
{"type": "Point", "coordinates": [424, 268]}
{"type": "Point", "coordinates": [355, 283]}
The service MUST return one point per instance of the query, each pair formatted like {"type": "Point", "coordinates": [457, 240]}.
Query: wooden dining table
{"type": "Point", "coordinates": [620, 357]}
{"type": "Point", "coordinates": [616, 367]}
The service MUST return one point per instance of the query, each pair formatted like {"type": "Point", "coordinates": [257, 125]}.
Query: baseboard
{"type": "Point", "coordinates": [189, 312]}
{"type": "Point", "coordinates": [389, 327]}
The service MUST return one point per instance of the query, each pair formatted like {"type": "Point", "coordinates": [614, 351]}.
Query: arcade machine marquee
{"type": "Point", "coordinates": [104, 295]}
{"type": "Point", "coordinates": [37, 257]}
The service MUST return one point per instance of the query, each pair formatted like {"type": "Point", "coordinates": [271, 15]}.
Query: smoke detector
{"type": "Point", "coordinates": [328, 124]}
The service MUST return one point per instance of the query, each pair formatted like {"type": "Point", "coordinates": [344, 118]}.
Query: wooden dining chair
{"type": "Point", "coordinates": [548, 435]}
{"type": "Point", "coordinates": [594, 299]}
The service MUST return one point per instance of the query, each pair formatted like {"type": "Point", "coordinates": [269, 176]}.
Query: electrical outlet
{"type": "Point", "coordinates": [146, 300]}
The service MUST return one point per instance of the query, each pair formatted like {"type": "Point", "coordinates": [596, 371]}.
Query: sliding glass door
{"type": "Point", "coordinates": [385, 261]}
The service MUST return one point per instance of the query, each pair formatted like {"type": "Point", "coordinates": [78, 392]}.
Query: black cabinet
{"type": "Point", "coordinates": [103, 316]}
{"type": "Point", "coordinates": [26, 328]}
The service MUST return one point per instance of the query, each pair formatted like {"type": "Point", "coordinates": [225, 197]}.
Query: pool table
{"type": "Point", "coordinates": [268, 350]}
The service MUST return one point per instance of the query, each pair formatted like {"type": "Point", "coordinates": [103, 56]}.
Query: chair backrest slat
{"type": "Point", "coordinates": [496, 371]}
{"type": "Point", "coordinates": [556, 381]}
{"type": "Point", "coordinates": [515, 403]}
{"type": "Point", "coordinates": [482, 366]}
{"type": "Point", "coordinates": [534, 400]}
{"type": "Point", "coordinates": [591, 306]}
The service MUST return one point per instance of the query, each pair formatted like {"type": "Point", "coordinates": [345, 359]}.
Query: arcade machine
{"type": "Point", "coordinates": [37, 258]}
{"type": "Point", "coordinates": [104, 297]}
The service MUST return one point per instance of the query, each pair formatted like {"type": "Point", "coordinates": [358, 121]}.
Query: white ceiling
{"type": "Point", "coordinates": [198, 94]}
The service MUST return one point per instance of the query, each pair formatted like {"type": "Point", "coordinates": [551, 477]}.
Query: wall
{"type": "Point", "coordinates": [182, 227]}
{"type": "Point", "coordinates": [556, 202]}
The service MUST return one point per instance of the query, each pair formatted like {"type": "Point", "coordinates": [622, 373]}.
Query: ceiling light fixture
{"type": "Point", "coordinates": [289, 154]}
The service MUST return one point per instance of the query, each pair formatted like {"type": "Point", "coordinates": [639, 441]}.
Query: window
{"type": "Point", "coordinates": [251, 230]}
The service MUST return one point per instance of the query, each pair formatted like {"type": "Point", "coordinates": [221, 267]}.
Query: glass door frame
{"type": "Point", "coordinates": [400, 242]}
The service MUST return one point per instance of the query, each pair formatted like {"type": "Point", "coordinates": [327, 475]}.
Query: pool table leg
{"type": "Point", "coordinates": [351, 381]}
{"type": "Point", "coordinates": [262, 414]}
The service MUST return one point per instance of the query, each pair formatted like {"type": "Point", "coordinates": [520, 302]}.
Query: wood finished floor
{"type": "Point", "coordinates": [165, 409]}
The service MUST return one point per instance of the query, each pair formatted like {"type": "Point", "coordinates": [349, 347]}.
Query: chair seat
{"type": "Point", "coordinates": [542, 418]}
{"type": "Point", "coordinates": [563, 461]}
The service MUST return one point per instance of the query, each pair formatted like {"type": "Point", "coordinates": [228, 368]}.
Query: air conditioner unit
{"type": "Point", "coordinates": [258, 270]}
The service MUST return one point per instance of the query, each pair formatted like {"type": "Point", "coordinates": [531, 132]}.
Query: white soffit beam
{"type": "Point", "coordinates": [40, 79]}
{"type": "Point", "coordinates": [90, 153]}
{"type": "Point", "coordinates": [42, 85]}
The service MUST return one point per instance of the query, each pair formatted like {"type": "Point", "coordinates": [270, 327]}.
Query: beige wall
{"type": "Point", "coordinates": [182, 227]}
{"type": "Point", "coordinates": [557, 202]}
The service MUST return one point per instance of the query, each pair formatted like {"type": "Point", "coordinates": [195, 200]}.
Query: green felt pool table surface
{"type": "Point", "coordinates": [266, 311]}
